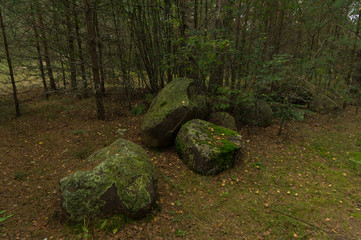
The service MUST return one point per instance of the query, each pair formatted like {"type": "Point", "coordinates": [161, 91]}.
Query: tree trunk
{"type": "Point", "coordinates": [100, 50]}
{"type": "Point", "coordinates": [353, 51]}
{"type": "Point", "coordinates": [46, 52]}
{"type": "Point", "coordinates": [89, 13]}
{"type": "Point", "coordinates": [168, 35]}
{"type": "Point", "coordinates": [71, 50]}
{"type": "Point", "coordinates": [80, 55]}
{"type": "Point", "coordinates": [11, 73]}
{"type": "Point", "coordinates": [195, 15]}
{"type": "Point", "coordinates": [216, 78]}
{"type": "Point", "coordinates": [38, 51]}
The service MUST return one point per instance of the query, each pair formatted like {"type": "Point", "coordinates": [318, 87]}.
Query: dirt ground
{"type": "Point", "coordinates": [52, 139]}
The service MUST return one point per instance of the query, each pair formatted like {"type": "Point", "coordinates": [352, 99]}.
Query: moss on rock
{"type": "Point", "coordinates": [124, 182]}
{"type": "Point", "coordinates": [223, 119]}
{"type": "Point", "coordinates": [207, 148]}
{"type": "Point", "coordinates": [174, 105]}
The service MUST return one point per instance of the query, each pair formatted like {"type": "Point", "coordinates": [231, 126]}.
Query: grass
{"type": "Point", "coordinates": [304, 188]}
{"type": "Point", "coordinates": [301, 194]}
{"type": "Point", "coordinates": [3, 218]}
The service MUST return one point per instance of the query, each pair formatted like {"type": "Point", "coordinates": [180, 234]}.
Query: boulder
{"type": "Point", "coordinates": [223, 119]}
{"type": "Point", "coordinates": [207, 148]}
{"type": "Point", "coordinates": [324, 104]}
{"type": "Point", "coordinates": [124, 182]}
{"type": "Point", "coordinates": [174, 105]}
{"type": "Point", "coordinates": [257, 113]}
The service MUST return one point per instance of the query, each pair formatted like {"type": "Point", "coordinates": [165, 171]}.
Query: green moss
{"type": "Point", "coordinates": [212, 141]}
{"type": "Point", "coordinates": [166, 101]}
{"type": "Point", "coordinates": [127, 170]}
{"type": "Point", "coordinates": [227, 132]}
{"type": "Point", "coordinates": [224, 154]}
{"type": "Point", "coordinates": [180, 147]}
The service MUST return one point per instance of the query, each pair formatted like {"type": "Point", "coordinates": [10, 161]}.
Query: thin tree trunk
{"type": "Point", "coordinates": [195, 14]}
{"type": "Point", "coordinates": [46, 52]}
{"type": "Point", "coordinates": [70, 37]}
{"type": "Point", "coordinates": [63, 75]}
{"type": "Point", "coordinates": [234, 67]}
{"type": "Point", "coordinates": [100, 50]}
{"type": "Point", "coordinates": [353, 51]}
{"type": "Point", "coordinates": [216, 78]}
{"type": "Point", "coordinates": [168, 35]}
{"type": "Point", "coordinates": [89, 13]}
{"type": "Point", "coordinates": [206, 15]}
{"type": "Point", "coordinates": [80, 55]}
{"type": "Point", "coordinates": [38, 51]}
{"type": "Point", "coordinates": [11, 73]}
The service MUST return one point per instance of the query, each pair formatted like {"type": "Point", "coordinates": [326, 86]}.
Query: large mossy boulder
{"type": "Point", "coordinates": [255, 113]}
{"type": "Point", "coordinates": [223, 119]}
{"type": "Point", "coordinates": [207, 148]}
{"type": "Point", "coordinates": [323, 104]}
{"type": "Point", "coordinates": [124, 182]}
{"type": "Point", "coordinates": [174, 105]}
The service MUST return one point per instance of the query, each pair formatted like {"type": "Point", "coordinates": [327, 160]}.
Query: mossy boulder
{"type": "Point", "coordinates": [323, 104]}
{"type": "Point", "coordinates": [255, 113]}
{"type": "Point", "coordinates": [223, 119]}
{"type": "Point", "coordinates": [124, 182]}
{"type": "Point", "coordinates": [174, 105]}
{"type": "Point", "coordinates": [207, 148]}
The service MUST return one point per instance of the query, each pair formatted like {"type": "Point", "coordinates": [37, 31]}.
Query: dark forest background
{"type": "Point", "coordinates": [280, 51]}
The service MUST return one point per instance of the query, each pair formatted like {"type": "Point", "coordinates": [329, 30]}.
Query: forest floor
{"type": "Point", "coordinates": [304, 184]}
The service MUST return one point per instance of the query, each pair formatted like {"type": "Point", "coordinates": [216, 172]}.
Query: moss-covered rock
{"type": "Point", "coordinates": [223, 119]}
{"type": "Point", "coordinates": [174, 105]}
{"type": "Point", "coordinates": [207, 148]}
{"type": "Point", "coordinates": [125, 182]}
{"type": "Point", "coordinates": [255, 113]}
{"type": "Point", "coordinates": [323, 104]}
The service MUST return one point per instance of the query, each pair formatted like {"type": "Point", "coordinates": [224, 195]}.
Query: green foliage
{"type": "Point", "coordinates": [204, 51]}
{"type": "Point", "coordinates": [181, 233]}
{"type": "Point", "coordinates": [79, 132]}
{"type": "Point", "coordinates": [3, 219]}
{"type": "Point", "coordinates": [19, 175]}
{"type": "Point", "coordinates": [115, 223]}
{"type": "Point", "coordinates": [139, 109]}
{"type": "Point", "coordinates": [84, 231]}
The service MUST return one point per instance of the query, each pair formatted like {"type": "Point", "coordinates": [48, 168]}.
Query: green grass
{"type": "Point", "coordinates": [308, 191]}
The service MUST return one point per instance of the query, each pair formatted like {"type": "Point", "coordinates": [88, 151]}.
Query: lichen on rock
{"type": "Point", "coordinates": [207, 148]}
{"type": "Point", "coordinates": [174, 105]}
{"type": "Point", "coordinates": [125, 182]}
